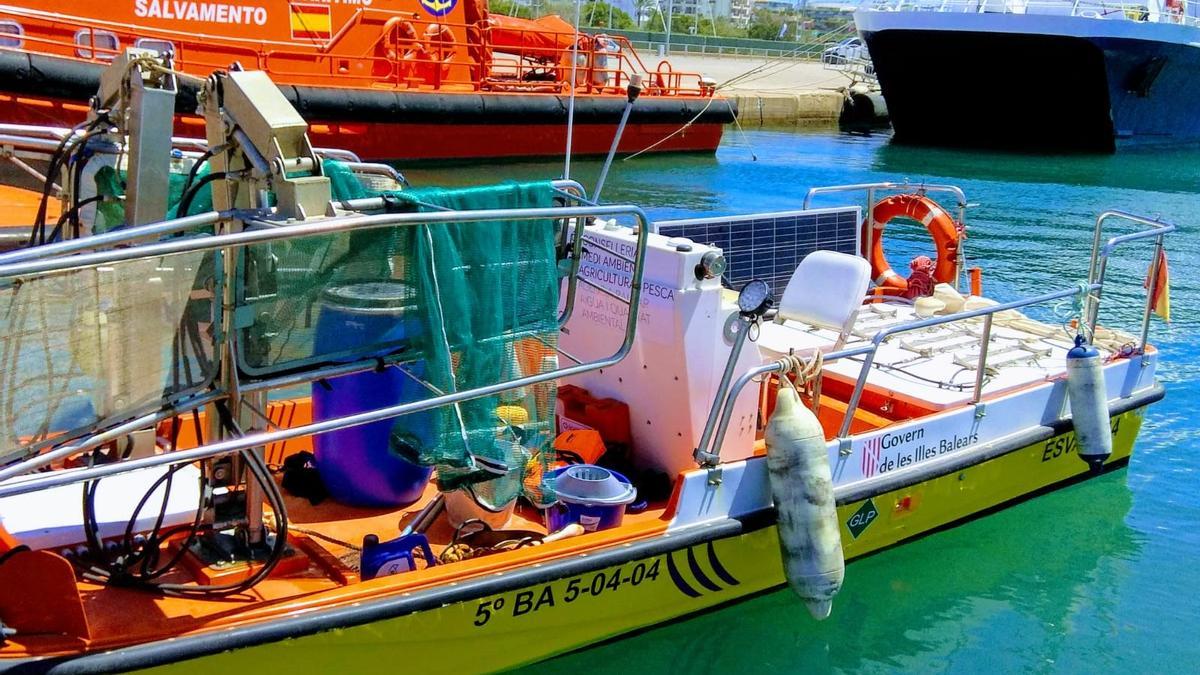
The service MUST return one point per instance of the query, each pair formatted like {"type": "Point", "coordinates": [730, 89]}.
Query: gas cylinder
{"type": "Point", "coordinates": [802, 488]}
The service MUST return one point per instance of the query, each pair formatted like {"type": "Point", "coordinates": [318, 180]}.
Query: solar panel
{"type": "Point", "coordinates": [768, 246]}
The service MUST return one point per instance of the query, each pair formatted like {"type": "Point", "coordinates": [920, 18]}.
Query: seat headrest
{"type": "Point", "coordinates": [826, 290]}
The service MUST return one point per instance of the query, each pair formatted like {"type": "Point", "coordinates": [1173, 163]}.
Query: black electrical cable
{"type": "Point", "coordinates": [39, 232]}
{"type": "Point", "coordinates": [262, 474]}
{"type": "Point", "coordinates": [191, 177]}
{"type": "Point", "coordinates": [132, 555]}
{"type": "Point", "coordinates": [80, 159]}
{"type": "Point", "coordinates": [48, 184]}
{"type": "Point", "coordinates": [107, 571]}
{"type": "Point", "coordinates": [37, 236]}
{"type": "Point", "coordinates": [115, 573]}
{"type": "Point", "coordinates": [71, 214]}
{"type": "Point", "coordinates": [185, 202]}
{"type": "Point", "coordinates": [197, 522]}
{"type": "Point", "coordinates": [118, 572]}
{"type": "Point", "coordinates": [193, 533]}
{"type": "Point", "coordinates": [149, 563]}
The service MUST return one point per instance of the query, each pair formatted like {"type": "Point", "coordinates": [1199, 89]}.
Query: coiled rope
{"type": "Point", "coordinates": [805, 375]}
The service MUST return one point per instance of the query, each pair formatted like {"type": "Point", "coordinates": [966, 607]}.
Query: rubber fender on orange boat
{"type": "Point", "coordinates": [924, 210]}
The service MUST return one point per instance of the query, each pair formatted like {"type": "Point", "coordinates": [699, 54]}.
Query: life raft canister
{"type": "Point", "coordinates": [925, 211]}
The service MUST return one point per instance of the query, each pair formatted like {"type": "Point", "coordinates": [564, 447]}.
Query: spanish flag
{"type": "Point", "coordinates": [311, 22]}
{"type": "Point", "coordinates": [1160, 290]}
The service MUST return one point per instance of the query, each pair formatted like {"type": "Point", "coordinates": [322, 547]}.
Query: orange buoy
{"type": "Point", "coordinates": [925, 211]}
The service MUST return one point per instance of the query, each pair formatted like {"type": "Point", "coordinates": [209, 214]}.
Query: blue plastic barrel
{"type": "Point", "coordinates": [357, 321]}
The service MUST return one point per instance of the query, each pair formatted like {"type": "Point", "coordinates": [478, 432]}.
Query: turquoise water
{"type": "Point", "coordinates": [1102, 576]}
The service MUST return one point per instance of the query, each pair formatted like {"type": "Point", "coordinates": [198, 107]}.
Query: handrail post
{"type": "Point", "coordinates": [859, 385]}
{"type": "Point", "coordinates": [984, 342]}
{"type": "Point", "coordinates": [702, 453]}
{"type": "Point", "coordinates": [1150, 287]}
{"type": "Point", "coordinates": [1091, 305]}
{"type": "Point", "coordinates": [869, 239]}
{"type": "Point", "coordinates": [1092, 311]}
{"type": "Point", "coordinates": [962, 250]}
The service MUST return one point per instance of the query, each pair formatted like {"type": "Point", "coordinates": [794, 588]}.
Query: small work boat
{"type": "Point", "coordinates": [317, 426]}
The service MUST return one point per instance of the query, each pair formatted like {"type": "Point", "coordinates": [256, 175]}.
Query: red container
{"type": "Point", "coordinates": [581, 410]}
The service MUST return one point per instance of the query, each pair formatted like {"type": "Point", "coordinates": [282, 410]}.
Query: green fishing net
{"type": "Point", "coordinates": [110, 213]}
{"type": "Point", "coordinates": [478, 303]}
{"type": "Point", "coordinates": [475, 304]}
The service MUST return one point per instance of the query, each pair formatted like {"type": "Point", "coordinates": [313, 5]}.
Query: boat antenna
{"type": "Point", "coordinates": [632, 92]}
{"type": "Point", "coordinates": [571, 102]}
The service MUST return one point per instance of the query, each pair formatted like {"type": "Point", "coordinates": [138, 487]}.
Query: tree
{"type": "Point", "coordinates": [597, 12]}
{"type": "Point", "coordinates": [563, 8]}
{"type": "Point", "coordinates": [680, 23]}
{"type": "Point", "coordinates": [727, 27]}
{"type": "Point", "coordinates": [641, 8]}
{"type": "Point", "coordinates": [765, 25]}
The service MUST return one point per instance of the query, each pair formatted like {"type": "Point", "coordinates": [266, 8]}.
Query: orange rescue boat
{"type": "Point", "coordinates": [388, 79]}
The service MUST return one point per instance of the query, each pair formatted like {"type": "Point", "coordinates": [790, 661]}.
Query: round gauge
{"type": "Point", "coordinates": [755, 297]}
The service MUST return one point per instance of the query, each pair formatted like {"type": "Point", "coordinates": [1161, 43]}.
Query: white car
{"type": "Point", "coordinates": [849, 51]}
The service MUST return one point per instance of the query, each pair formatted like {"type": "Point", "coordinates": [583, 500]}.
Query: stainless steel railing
{"type": "Point", "coordinates": [131, 235]}
{"type": "Point", "coordinates": [222, 245]}
{"type": "Point", "coordinates": [708, 456]}
{"type": "Point", "coordinates": [872, 190]}
{"type": "Point", "coordinates": [1180, 12]}
{"type": "Point", "coordinates": [45, 139]}
{"type": "Point", "coordinates": [1098, 266]}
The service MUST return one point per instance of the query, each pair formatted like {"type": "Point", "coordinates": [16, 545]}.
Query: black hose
{"type": "Point", "coordinates": [37, 236]}
{"type": "Point", "coordinates": [185, 203]}
{"type": "Point", "coordinates": [76, 180]}
{"type": "Point", "coordinates": [197, 522]}
{"type": "Point", "coordinates": [186, 544]}
{"type": "Point", "coordinates": [118, 572]}
{"type": "Point", "coordinates": [48, 184]}
{"type": "Point", "coordinates": [152, 538]}
{"type": "Point", "coordinates": [72, 214]}
{"type": "Point", "coordinates": [187, 184]}
{"type": "Point", "coordinates": [261, 474]}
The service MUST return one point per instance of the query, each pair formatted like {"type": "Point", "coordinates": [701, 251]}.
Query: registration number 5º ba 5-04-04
{"type": "Point", "coordinates": [532, 600]}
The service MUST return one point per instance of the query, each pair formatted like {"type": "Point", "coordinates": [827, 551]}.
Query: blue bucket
{"type": "Point", "coordinates": [590, 495]}
{"type": "Point", "coordinates": [359, 321]}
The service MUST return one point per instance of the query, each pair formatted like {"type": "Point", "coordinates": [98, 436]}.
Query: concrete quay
{"type": "Point", "coordinates": [773, 92]}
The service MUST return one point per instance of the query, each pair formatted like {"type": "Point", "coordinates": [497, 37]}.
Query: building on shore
{"type": "Point", "coordinates": [740, 11]}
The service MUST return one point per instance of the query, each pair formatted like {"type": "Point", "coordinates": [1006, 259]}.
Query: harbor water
{"type": "Point", "coordinates": [1102, 576]}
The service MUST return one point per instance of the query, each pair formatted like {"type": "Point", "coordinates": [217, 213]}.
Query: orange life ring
{"type": "Point", "coordinates": [925, 211]}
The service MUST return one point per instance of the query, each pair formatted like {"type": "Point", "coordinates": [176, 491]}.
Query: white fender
{"type": "Point", "coordinates": [802, 488]}
{"type": "Point", "coordinates": [1089, 404]}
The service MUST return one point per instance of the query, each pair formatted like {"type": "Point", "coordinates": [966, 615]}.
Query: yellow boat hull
{"type": "Point", "coordinates": [541, 620]}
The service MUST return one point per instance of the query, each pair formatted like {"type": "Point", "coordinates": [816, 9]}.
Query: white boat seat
{"type": "Point", "coordinates": [825, 292]}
